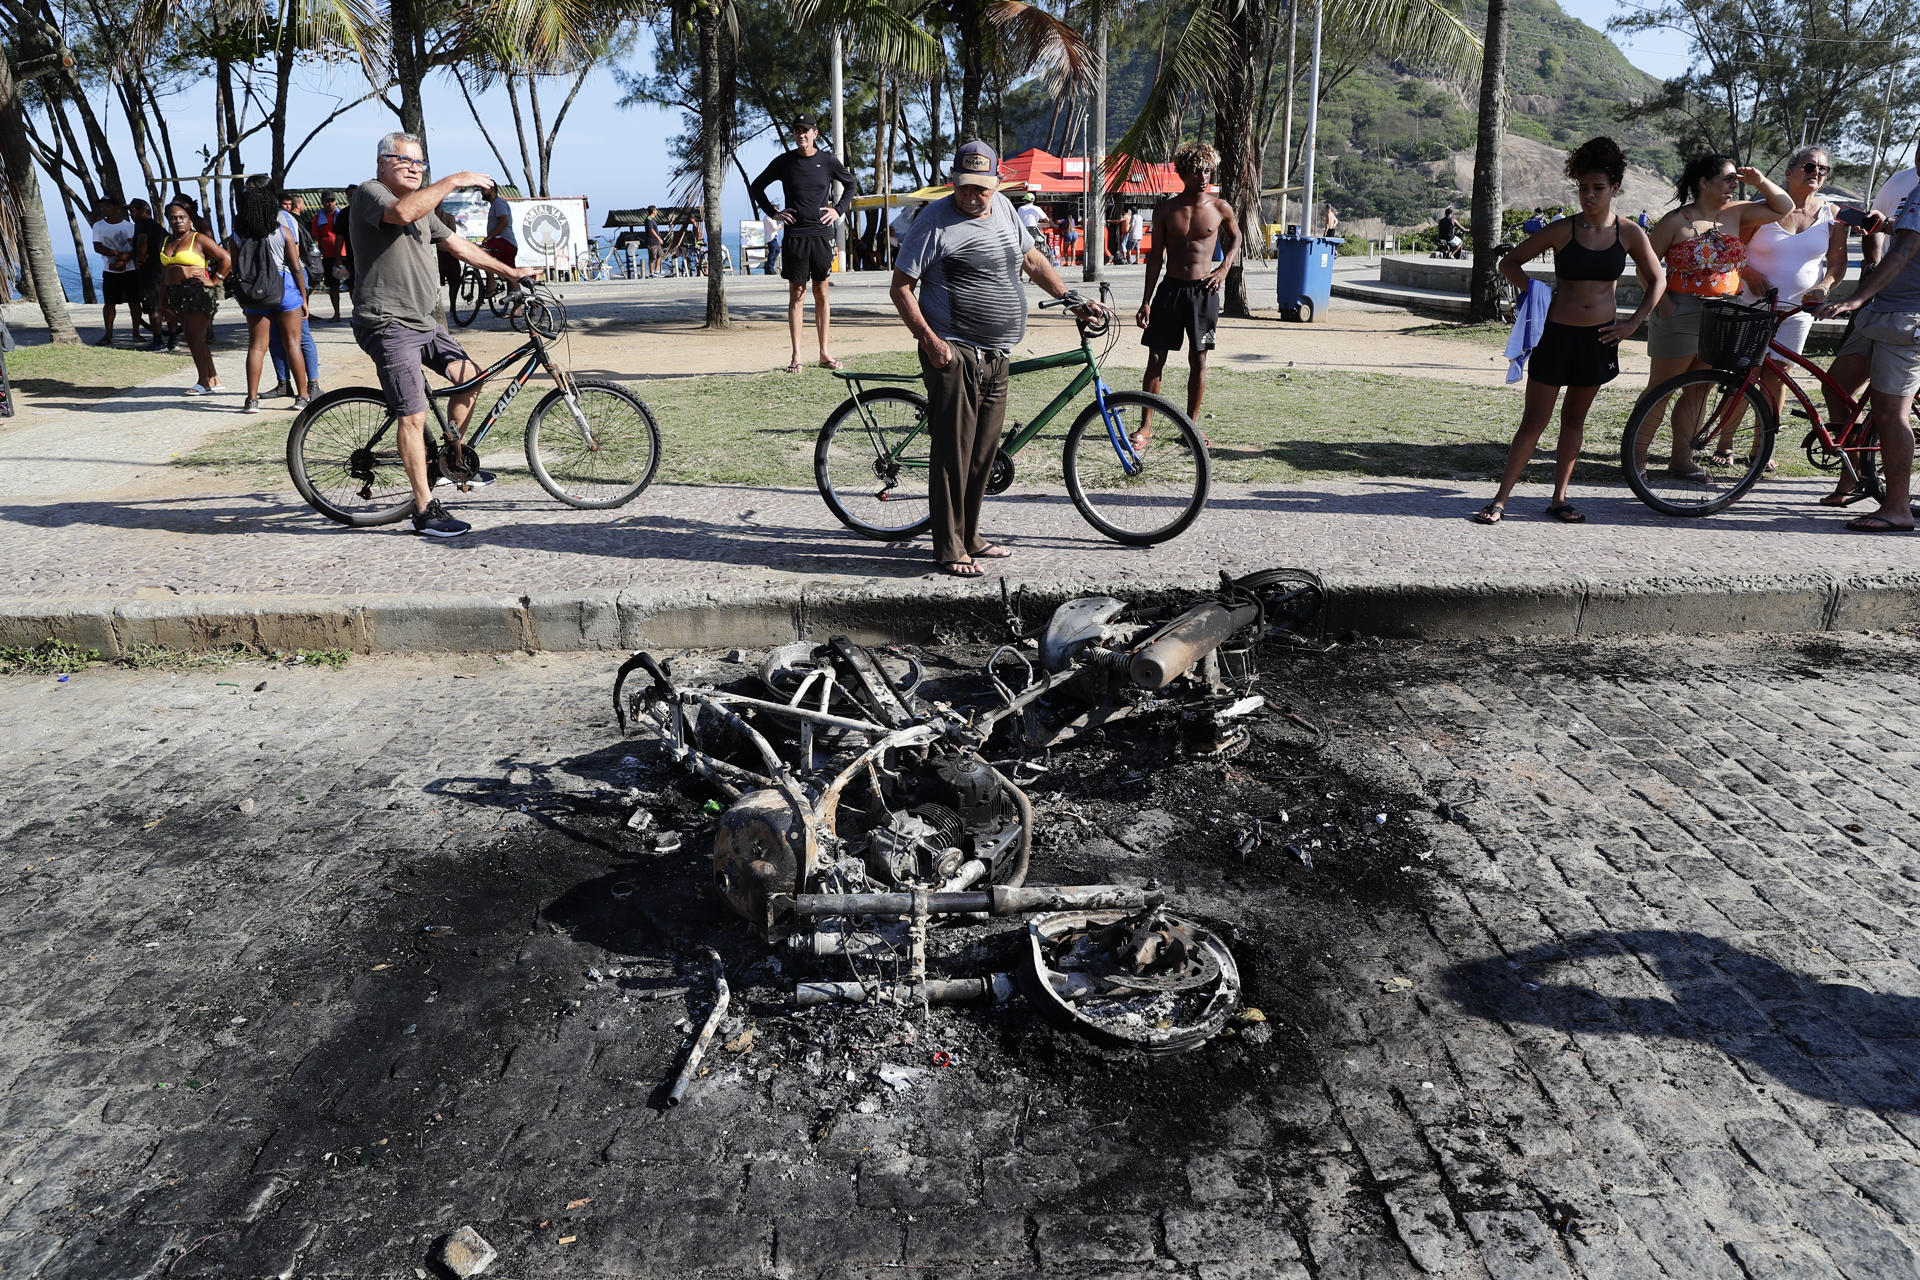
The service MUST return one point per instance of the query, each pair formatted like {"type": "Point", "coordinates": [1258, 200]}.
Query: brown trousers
{"type": "Point", "coordinates": [967, 403]}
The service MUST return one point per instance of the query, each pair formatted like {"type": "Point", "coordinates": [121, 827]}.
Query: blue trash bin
{"type": "Point", "coordinates": [1305, 275]}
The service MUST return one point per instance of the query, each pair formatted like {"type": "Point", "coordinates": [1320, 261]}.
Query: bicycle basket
{"type": "Point", "coordinates": [1734, 336]}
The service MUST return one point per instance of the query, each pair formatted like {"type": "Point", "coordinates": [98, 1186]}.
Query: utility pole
{"type": "Point", "coordinates": [1096, 237]}
{"type": "Point", "coordinates": [1313, 128]}
{"type": "Point", "coordinates": [835, 81]}
{"type": "Point", "coordinates": [1880, 138]}
{"type": "Point", "coordinates": [1286, 110]}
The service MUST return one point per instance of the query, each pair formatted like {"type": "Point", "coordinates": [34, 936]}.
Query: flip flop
{"type": "Point", "coordinates": [1138, 441]}
{"type": "Point", "coordinates": [1723, 457]}
{"type": "Point", "coordinates": [992, 551]}
{"type": "Point", "coordinates": [1696, 476]}
{"type": "Point", "coordinates": [960, 568]}
{"type": "Point", "coordinates": [1842, 499]}
{"type": "Point", "coordinates": [1492, 513]}
{"type": "Point", "coordinates": [794, 367]}
{"type": "Point", "coordinates": [1567, 513]}
{"type": "Point", "coordinates": [831, 363]}
{"type": "Point", "coordinates": [1877, 524]}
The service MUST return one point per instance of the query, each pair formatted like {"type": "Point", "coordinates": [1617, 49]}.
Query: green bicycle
{"type": "Point", "coordinates": [871, 459]}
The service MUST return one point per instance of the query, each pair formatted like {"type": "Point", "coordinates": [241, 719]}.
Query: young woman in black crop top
{"type": "Point", "coordinates": [1579, 346]}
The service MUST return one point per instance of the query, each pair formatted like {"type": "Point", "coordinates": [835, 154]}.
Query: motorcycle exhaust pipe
{"type": "Point", "coordinates": [1187, 639]}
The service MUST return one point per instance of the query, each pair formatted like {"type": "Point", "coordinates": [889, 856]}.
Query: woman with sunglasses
{"type": "Point", "coordinates": [1803, 256]}
{"type": "Point", "coordinates": [1703, 244]}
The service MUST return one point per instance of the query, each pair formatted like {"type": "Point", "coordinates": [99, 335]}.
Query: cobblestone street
{"type": "Point", "coordinates": [307, 968]}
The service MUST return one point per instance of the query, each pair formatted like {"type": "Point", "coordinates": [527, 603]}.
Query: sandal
{"type": "Point", "coordinates": [1492, 513]}
{"type": "Point", "coordinates": [1567, 513]}
{"type": "Point", "coordinates": [1843, 499]}
{"type": "Point", "coordinates": [1139, 440]}
{"type": "Point", "coordinates": [960, 568]}
{"type": "Point", "coordinates": [1722, 457]}
{"type": "Point", "coordinates": [1877, 524]}
{"type": "Point", "coordinates": [992, 551]}
{"type": "Point", "coordinates": [1695, 476]}
{"type": "Point", "coordinates": [794, 367]}
{"type": "Point", "coordinates": [830, 363]}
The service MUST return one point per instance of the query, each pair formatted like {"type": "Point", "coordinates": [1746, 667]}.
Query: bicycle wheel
{"type": "Point", "coordinates": [1159, 493]}
{"type": "Point", "coordinates": [1679, 428]}
{"type": "Point", "coordinates": [872, 464]}
{"type": "Point", "coordinates": [608, 470]}
{"type": "Point", "coordinates": [466, 299]}
{"type": "Point", "coordinates": [498, 300]}
{"type": "Point", "coordinates": [337, 468]}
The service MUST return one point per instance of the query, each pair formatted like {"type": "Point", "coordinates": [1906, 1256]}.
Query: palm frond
{"type": "Point", "coordinates": [1194, 63]}
{"type": "Point", "coordinates": [876, 30]}
{"type": "Point", "coordinates": [1423, 31]}
{"type": "Point", "coordinates": [556, 34]}
{"type": "Point", "coordinates": [1038, 41]}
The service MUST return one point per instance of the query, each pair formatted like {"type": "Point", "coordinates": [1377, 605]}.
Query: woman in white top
{"type": "Point", "coordinates": [1803, 256]}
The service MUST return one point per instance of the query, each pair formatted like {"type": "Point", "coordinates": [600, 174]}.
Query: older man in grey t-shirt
{"type": "Point", "coordinates": [1884, 352]}
{"type": "Point", "coordinates": [395, 236]}
{"type": "Point", "coordinates": [956, 284]}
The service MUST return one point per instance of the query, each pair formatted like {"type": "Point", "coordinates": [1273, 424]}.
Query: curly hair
{"type": "Point", "coordinates": [256, 212]}
{"type": "Point", "coordinates": [1598, 155]}
{"type": "Point", "coordinates": [1195, 157]}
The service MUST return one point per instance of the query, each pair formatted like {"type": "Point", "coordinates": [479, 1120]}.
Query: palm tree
{"type": "Point", "coordinates": [1222, 54]}
{"type": "Point", "coordinates": [20, 194]}
{"type": "Point", "coordinates": [1483, 305]}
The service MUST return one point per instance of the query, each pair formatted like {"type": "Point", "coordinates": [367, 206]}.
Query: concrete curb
{"type": "Point", "coordinates": [894, 611]}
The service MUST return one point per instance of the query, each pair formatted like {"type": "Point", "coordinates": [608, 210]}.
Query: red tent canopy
{"type": "Point", "coordinates": [1046, 174]}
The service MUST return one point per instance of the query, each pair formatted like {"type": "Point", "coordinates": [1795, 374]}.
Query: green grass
{"type": "Point", "coordinates": [1266, 427]}
{"type": "Point", "coordinates": [80, 372]}
{"type": "Point", "coordinates": [49, 657]}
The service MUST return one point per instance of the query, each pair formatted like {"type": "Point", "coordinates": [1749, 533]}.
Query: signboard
{"type": "Point", "coordinates": [552, 232]}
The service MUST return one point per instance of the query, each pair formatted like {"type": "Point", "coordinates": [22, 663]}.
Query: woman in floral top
{"type": "Point", "coordinates": [1704, 246]}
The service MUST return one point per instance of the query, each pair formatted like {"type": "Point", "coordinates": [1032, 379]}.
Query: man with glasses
{"type": "Point", "coordinates": [1186, 305]}
{"type": "Point", "coordinates": [395, 236]}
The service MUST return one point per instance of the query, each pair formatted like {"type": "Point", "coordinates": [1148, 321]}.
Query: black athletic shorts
{"type": "Point", "coordinates": [1182, 309]}
{"type": "Point", "coordinates": [1572, 355]}
{"type": "Point", "coordinates": [804, 258]}
{"type": "Point", "coordinates": [120, 287]}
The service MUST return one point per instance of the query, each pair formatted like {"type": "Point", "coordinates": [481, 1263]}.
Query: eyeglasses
{"type": "Point", "coordinates": [1811, 167]}
{"type": "Point", "coordinates": [412, 162]}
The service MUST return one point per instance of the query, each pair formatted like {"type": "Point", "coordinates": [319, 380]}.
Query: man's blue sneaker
{"type": "Point", "coordinates": [434, 522]}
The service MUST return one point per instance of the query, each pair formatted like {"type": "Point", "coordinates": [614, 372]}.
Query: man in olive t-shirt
{"type": "Point", "coordinates": [396, 285]}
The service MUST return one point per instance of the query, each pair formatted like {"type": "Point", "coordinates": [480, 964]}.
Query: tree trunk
{"type": "Point", "coordinates": [409, 67]}
{"type": "Point", "coordinates": [1484, 305]}
{"type": "Point", "coordinates": [935, 157]}
{"type": "Point", "coordinates": [1236, 134]}
{"type": "Point", "coordinates": [282, 79]}
{"type": "Point", "coordinates": [972, 70]}
{"type": "Point", "coordinates": [36, 241]}
{"type": "Point", "coordinates": [714, 139]}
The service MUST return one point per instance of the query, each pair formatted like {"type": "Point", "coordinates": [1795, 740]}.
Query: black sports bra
{"type": "Point", "coordinates": [1577, 262]}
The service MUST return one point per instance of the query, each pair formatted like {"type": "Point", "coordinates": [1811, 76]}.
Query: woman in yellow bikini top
{"type": "Point", "coordinates": [193, 263]}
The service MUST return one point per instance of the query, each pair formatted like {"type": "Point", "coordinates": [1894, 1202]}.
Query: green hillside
{"type": "Point", "coordinates": [1566, 83]}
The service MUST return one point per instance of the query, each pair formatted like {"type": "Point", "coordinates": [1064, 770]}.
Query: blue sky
{"type": "Point", "coordinates": [616, 158]}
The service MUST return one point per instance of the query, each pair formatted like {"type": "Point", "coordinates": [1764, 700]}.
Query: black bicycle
{"type": "Point", "coordinates": [591, 444]}
{"type": "Point", "coordinates": [477, 287]}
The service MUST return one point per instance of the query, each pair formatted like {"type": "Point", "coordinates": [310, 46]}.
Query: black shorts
{"type": "Point", "coordinates": [804, 258]}
{"type": "Point", "coordinates": [399, 354]}
{"type": "Point", "coordinates": [1182, 309]}
{"type": "Point", "coordinates": [1572, 355]}
{"type": "Point", "coordinates": [120, 287]}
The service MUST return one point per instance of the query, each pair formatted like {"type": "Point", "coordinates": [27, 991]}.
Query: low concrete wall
{"type": "Point", "coordinates": [1450, 275]}
{"type": "Point", "coordinates": [1465, 607]}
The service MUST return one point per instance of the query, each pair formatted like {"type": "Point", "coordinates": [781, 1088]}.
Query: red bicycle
{"type": "Point", "coordinates": [1723, 412]}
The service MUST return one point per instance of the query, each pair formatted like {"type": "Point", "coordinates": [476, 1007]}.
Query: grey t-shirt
{"type": "Point", "coordinates": [969, 272]}
{"type": "Point", "coordinates": [1903, 294]}
{"type": "Point", "coordinates": [396, 271]}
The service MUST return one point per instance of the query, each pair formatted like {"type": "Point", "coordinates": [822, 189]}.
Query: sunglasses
{"type": "Point", "coordinates": [412, 162]}
{"type": "Point", "coordinates": [1811, 167]}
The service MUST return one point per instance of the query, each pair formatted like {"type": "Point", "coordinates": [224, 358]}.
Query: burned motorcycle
{"type": "Point", "coordinates": [861, 813]}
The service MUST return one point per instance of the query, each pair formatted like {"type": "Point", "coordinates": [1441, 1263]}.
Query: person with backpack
{"type": "Point", "coordinates": [291, 209]}
{"type": "Point", "coordinates": [269, 282]}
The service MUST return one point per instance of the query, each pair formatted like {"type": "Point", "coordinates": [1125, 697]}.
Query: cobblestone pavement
{"type": "Point", "coordinates": [303, 976]}
{"type": "Point", "coordinates": [684, 535]}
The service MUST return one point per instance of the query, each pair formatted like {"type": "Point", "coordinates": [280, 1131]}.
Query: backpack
{"type": "Point", "coordinates": [255, 279]}
{"type": "Point", "coordinates": [310, 256]}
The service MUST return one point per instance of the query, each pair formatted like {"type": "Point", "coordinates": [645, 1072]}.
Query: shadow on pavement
{"type": "Point", "coordinates": [1807, 1034]}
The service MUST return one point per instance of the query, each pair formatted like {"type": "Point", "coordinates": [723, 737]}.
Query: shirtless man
{"type": "Point", "coordinates": [1187, 303]}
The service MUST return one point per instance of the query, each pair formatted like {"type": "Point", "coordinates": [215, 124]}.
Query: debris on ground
{"type": "Point", "coordinates": [465, 1253]}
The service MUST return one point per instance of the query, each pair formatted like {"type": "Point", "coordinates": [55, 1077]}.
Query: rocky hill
{"type": "Point", "coordinates": [1392, 134]}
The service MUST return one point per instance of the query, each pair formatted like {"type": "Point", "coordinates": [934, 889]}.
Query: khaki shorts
{"type": "Point", "coordinates": [1891, 342]}
{"type": "Point", "coordinates": [1676, 336]}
